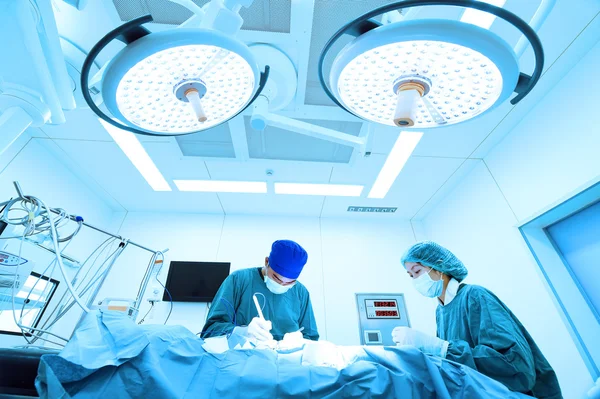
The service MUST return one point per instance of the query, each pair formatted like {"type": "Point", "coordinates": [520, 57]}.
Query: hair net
{"type": "Point", "coordinates": [431, 254]}
{"type": "Point", "coordinates": [287, 258]}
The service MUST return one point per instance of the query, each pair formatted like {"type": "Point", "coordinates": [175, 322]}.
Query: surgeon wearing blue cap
{"type": "Point", "coordinates": [474, 327]}
{"type": "Point", "coordinates": [285, 302]}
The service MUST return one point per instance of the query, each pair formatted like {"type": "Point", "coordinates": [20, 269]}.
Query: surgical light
{"type": "Point", "coordinates": [174, 82]}
{"type": "Point", "coordinates": [332, 190]}
{"type": "Point", "coordinates": [426, 73]}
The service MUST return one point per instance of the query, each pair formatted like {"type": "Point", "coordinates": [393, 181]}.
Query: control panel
{"type": "Point", "coordinates": [8, 259]}
{"type": "Point", "coordinates": [13, 271]}
{"type": "Point", "coordinates": [378, 315]}
{"type": "Point", "coordinates": [382, 309]}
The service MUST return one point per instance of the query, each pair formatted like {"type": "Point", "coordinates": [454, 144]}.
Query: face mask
{"type": "Point", "coordinates": [427, 287]}
{"type": "Point", "coordinates": [277, 288]}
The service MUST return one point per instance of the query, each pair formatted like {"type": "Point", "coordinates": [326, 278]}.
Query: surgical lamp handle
{"type": "Point", "coordinates": [128, 33]}
{"type": "Point", "coordinates": [364, 24]}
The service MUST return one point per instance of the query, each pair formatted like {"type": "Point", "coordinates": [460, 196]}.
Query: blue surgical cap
{"type": "Point", "coordinates": [431, 254]}
{"type": "Point", "coordinates": [287, 258]}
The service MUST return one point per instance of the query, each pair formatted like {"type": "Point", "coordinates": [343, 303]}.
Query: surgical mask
{"type": "Point", "coordinates": [276, 288]}
{"type": "Point", "coordinates": [428, 287]}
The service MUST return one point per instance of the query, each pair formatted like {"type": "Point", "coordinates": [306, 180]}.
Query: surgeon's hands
{"type": "Point", "coordinates": [260, 329]}
{"type": "Point", "coordinates": [425, 343]}
{"type": "Point", "coordinates": [291, 341]}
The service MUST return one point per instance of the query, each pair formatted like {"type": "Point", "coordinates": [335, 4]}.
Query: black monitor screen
{"type": "Point", "coordinates": [42, 291]}
{"type": "Point", "coordinates": [3, 225]}
{"type": "Point", "coordinates": [195, 281]}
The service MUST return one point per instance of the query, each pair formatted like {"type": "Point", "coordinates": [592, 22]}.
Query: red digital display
{"type": "Point", "coordinates": [385, 304]}
{"type": "Point", "coordinates": [391, 313]}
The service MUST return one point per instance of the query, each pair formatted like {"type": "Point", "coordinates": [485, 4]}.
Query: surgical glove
{"type": "Point", "coordinates": [293, 336]}
{"type": "Point", "coordinates": [291, 341]}
{"type": "Point", "coordinates": [425, 343]}
{"type": "Point", "coordinates": [259, 329]}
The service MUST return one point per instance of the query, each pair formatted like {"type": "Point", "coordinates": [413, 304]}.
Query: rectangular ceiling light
{"type": "Point", "coordinates": [405, 145]}
{"type": "Point", "coordinates": [480, 18]}
{"type": "Point", "coordinates": [218, 186]}
{"type": "Point", "coordinates": [332, 190]}
{"type": "Point", "coordinates": [138, 156]}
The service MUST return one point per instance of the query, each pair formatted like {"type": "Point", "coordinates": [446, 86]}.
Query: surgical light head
{"type": "Point", "coordinates": [174, 82]}
{"type": "Point", "coordinates": [426, 73]}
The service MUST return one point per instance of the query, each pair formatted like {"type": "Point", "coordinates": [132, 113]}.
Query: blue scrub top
{"type": "Point", "coordinates": [485, 335]}
{"type": "Point", "coordinates": [288, 312]}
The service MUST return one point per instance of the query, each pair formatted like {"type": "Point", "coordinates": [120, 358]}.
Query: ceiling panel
{"type": "Point", "coordinates": [427, 177]}
{"type": "Point", "coordinates": [108, 166]}
{"type": "Point", "coordinates": [460, 140]}
{"type": "Point", "coordinates": [296, 172]}
{"type": "Point", "coordinates": [363, 171]}
{"type": "Point", "coordinates": [215, 142]}
{"type": "Point", "coordinates": [262, 15]}
{"type": "Point", "coordinates": [271, 204]}
{"type": "Point", "coordinates": [450, 142]}
{"type": "Point", "coordinates": [167, 157]}
{"type": "Point", "coordinates": [276, 143]}
{"type": "Point", "coordinates": [580, 34]}
{"type": "Point", "coordinates": [463, 170]}
{"type": "Point", "coordinates": [418, 181]}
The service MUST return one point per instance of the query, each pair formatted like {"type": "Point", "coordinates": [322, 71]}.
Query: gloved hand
{"type": "Point", "coordinates": [291, 341]}
{"type": "Point", "coordinates": [259, 329]}
{"type": "Point", "coordinates": [293, 336]}
{"type": "Point", "coordinates": [425, 343]}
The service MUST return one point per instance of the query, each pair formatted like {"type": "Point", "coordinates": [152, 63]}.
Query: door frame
{"type": "Point", "coordinates": [571, 301]}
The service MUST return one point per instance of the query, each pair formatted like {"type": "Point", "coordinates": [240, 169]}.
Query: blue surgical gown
{"type": "Point", "coordinates": [485, 335]}
{"type": "Point", "coordinates": [288, 312]}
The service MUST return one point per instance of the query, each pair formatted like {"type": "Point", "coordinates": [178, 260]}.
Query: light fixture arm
{"type": "Point", "coordinates": [20, 108]}
{"type": "Point", "coordinates": [224, 16]}
{"type": "Point", "coordinates": [128, 33]}
{"type": "Point", "coordinates": [365, 23]}
{"type": "Point", "coordinates": [190, 5]}
{"type": "Point", "coordinates": [261, 118]}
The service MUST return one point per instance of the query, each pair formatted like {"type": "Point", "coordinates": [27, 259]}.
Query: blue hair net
{"type": "Point", "coordinates": [287, 258]}
{"type": "Point", "coordinates": [431, 254]}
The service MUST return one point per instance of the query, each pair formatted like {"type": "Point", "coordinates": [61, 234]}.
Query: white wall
{"type": "Point", "coordinates": [554, 150]}
{"type": "Point", "coordinates": [345, 257]}
{"type": "Point", "coordinates": [365, 257]}
{"type": "Point", "coordinates": [551, 153]}
{"type": "Point", "coordinates": [40, 174]}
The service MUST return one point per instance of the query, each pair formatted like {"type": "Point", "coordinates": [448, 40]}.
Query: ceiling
{"type": "Point", "coordinates": [234, 151]}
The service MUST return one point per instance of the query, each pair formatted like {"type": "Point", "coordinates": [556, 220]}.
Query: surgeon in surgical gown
{"type": "Point", "coordinates": [285, 302]}
{"type": "Point", "coordinates": [474, 327]}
